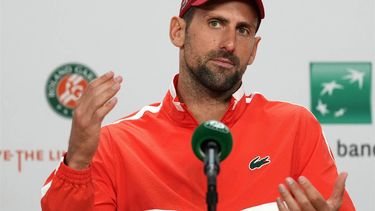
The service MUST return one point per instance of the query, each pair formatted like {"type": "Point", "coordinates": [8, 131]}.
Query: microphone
{"type": "Point", "coordinates": [212, 143]}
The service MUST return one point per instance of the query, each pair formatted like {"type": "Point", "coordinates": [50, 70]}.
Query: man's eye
{"type": "Point", "coordinates": [214, 23]}
{"type": "Point", "coordinates": [244, 31]}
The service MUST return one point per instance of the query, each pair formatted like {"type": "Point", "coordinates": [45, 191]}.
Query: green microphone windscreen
{"type": "Point", "coordinates": [212, 131]}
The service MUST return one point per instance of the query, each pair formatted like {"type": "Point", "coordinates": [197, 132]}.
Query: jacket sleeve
{"type": "Point", "coordinates": [90, 189]}
{"type": "Point", "coordinates": [315, 159]}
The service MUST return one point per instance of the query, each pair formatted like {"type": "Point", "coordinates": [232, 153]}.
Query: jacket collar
{"type": "Point", "coordinates": [179, 112]}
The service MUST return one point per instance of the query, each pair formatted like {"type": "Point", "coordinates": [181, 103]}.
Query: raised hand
{"type": "Point", "coordinates": [95, 103]}
{"type": "Point", "coordinates": [304, 196]}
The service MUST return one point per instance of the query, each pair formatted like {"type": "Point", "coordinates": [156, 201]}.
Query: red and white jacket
{"type": "Point", "coordinates": [145, 161]}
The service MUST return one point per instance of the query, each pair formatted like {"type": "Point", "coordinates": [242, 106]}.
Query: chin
{"type": "Point", "coordinates": [220, 82]}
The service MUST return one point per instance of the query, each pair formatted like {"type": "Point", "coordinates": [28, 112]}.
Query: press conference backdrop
{"type": "Point", "coordinates": [306, 47]}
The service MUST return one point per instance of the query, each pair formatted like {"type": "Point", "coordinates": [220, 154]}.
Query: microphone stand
{"type": "Point", "coordinates": [211, 169]}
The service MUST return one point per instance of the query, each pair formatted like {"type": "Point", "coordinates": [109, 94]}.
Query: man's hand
{"type": "Point", "coordinates": [95, 103]}
{"type": "Point", "coordinates": [304, 196]}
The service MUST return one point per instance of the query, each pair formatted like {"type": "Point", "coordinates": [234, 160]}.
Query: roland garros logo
{"type": "Point", "coordinates": [66, 85]}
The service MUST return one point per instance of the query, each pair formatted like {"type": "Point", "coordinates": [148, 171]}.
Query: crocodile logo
{"type": "Point", "coordinates": [257, 162]}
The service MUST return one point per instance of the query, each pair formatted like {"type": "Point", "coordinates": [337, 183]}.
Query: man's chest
{"type": "Point", "coordinates": [162, 171]}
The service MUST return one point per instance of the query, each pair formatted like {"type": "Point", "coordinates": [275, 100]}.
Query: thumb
{"type": "Point", "coordinates": [335, 200]}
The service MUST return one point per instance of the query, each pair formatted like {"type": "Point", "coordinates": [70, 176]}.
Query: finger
{"type": "Point", "coordinates": [104, 93]}
{"type": "Point", "coordinates": [299, 195]}
{"type": "Point", "coordinates": [103, 78]}
{"type": "Point", "coordinates": [335, 200]}
{"type": "Point", "coordinates": [93, 84]}
{"type": "Point", "coordinates": [316, 199]}
{"type": "Point", "coordinates": [109, 83]}
{"type": "Point", "coordinates": [100, 95]}
{"type": "Point", "coordinates": [280, 205]}
{"type": "Point", "coordinates": [106, 108]}
{"type": "Point", "coordinates": [92, 101]}
{"type": "Point", "coordinates": [288, 198]}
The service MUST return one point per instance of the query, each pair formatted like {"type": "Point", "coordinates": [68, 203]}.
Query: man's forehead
{"type": "Point", "coordinates": [241, 13]}
{"type": "Point", "coordinates": [218, 7]}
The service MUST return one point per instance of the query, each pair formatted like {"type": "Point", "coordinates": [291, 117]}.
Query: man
{"type": "Point", "coordinates": [145, 161]}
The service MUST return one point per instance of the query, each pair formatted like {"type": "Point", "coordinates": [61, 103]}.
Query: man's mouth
{"type": "Point", "coordinates": [223, 62]}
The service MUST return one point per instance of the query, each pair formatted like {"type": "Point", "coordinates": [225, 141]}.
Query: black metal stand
{"type": "Point", "coordinates": [211, 169]}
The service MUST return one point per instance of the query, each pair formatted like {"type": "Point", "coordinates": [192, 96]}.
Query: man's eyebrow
{"type": "Point", "coordinates": [218, 17]}
{"type": "Point", "coordinates": [246, 24]}
{"type": "Point", "coordinates": [225, 20]}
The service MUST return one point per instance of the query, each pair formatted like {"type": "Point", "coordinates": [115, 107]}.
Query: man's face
{"type": "Point", "coordinates": [219, 44]}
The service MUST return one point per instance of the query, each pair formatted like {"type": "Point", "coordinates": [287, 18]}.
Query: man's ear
{"type": "Point", "coordinates": [254, 50]}
{"type": "Point", "coordinates": [177, 31]}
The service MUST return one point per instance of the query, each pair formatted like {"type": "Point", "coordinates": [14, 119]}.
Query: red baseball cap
{"type": "Point", "coordinates": [187, 4]}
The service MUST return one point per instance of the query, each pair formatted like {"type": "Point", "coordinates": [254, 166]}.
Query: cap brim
{"type": "Point", "coordinates": [201, 2]}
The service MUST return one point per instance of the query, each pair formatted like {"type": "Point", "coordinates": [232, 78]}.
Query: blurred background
{"type": "Point", "coordinates": [43, 41]}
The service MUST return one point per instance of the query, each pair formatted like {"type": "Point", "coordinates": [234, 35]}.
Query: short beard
{"type": "Point", "coordinates": [216, 81]}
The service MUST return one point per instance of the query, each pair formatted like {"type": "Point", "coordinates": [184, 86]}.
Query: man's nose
{"type": "Point", "coordinates": [228, 41]}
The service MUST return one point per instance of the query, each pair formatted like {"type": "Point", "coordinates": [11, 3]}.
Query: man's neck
{"type": "Point", "coordinates": [202, 103]}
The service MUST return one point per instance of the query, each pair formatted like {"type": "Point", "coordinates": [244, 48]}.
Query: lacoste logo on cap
{"type": "Point", "coordinates": [258, 162]}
